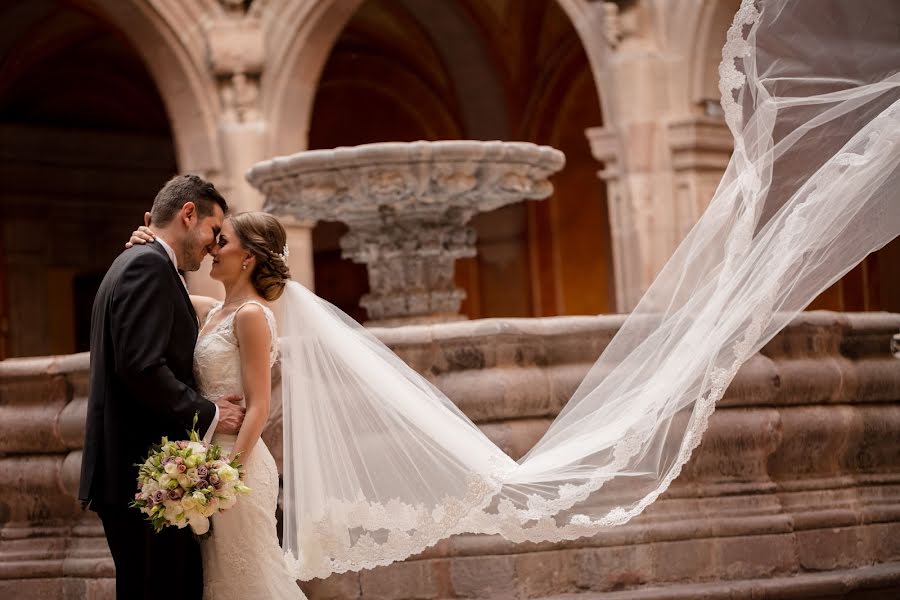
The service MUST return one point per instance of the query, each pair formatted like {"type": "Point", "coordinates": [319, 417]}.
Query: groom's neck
{"type": "Point", "coordinates": [172, 238]}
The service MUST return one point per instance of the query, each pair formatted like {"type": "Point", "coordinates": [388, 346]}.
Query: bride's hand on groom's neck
{"type": "Point", "coordinates": [142, 234]}
{"type": "Point", "coordinates": [231, 414]}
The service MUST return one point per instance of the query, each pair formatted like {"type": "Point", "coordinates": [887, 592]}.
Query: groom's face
{"type": "Point", "coordinates": [200, 238]}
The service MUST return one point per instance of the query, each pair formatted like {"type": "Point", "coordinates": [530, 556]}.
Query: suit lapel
{"type": "Point", "coordinates": [182, 289]}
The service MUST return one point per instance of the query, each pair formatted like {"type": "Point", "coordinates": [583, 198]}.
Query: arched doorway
{"type": "Point", "coordinates": [87, 143]}
{"type": "Point", "coordinates": [434, 69]}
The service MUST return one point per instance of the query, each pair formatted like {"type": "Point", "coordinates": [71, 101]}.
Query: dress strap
{"type": "Point", "coordinates": [270, 319]}
{"type": "Point", "coordinates": [216, 307]}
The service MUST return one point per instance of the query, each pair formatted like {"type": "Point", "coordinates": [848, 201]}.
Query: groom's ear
{"type": "Point", "coordinates": [147, 219]}
{"type": "Point", "coordinates": [188, 212]}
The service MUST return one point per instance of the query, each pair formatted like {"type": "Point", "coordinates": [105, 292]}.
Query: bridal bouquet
{"type": "Point", "coordinates": [186, 482]}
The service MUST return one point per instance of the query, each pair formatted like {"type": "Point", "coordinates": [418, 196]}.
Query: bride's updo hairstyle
{"type": "Point", "coordinates": [264, 236]}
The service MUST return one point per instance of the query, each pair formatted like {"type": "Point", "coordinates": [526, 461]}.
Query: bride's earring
{"type": "Point", "coordinates": [244, 267]}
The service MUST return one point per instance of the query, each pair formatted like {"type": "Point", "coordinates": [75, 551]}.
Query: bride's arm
{"type": "Point", "coordinates": [255, 343]}
{"type": "Point", "coordinates": [202, 306]}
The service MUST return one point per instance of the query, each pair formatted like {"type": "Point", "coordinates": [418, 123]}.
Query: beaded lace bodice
{"type": "Point", "coordinates": [217, 356]}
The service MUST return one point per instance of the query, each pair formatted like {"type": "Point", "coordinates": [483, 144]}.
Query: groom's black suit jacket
{"type": "Point", "coordinates": [143, 332]}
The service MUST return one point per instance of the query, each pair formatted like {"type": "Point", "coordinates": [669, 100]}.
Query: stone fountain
{"type": "Point", "coordinates": [407, 206]}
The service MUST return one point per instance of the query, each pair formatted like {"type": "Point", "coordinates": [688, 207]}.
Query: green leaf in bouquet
{"type": "Point", "coordinates": [192, 434]}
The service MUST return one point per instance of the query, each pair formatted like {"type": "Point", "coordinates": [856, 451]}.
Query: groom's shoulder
{"type": "Point", "coordinates": [138, 258]}
{"type": "Point", "coordinates": [141, 254]}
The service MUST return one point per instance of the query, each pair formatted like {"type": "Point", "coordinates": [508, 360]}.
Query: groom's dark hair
{"type": "Point", "coordinates": [181, 189]}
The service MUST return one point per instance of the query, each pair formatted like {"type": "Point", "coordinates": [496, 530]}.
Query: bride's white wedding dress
{"type": "Point", "coordinates": [242, 558]}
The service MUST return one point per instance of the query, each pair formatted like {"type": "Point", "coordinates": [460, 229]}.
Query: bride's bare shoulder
{"type": "Point", "coordinates": [251, 320]}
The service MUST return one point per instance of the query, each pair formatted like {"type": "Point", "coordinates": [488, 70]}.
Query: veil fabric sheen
{"type": "Point", "coordinates": [379, 464]}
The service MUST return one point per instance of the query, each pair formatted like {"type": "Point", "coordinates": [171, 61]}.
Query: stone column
{"type": "Point", "coordinates": [662, 156]}
{"type": "Point", "coordinates": [701, 148]}
{"type": "Point", "coordinates": [236, 50]}
{"type": "Point", "coordinates": [411, 257]}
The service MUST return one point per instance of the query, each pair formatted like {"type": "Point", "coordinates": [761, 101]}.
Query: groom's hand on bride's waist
{"type": "Point", "coordinates": [231, 414]}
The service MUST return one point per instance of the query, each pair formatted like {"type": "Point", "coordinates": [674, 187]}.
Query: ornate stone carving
{"type": "Point", "coordinates": [236, 53]}
{"type": "Point", "coordinates": [407, 205]}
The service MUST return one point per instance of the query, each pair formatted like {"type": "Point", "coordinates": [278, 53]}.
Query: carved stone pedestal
{"type": "Point", "coordinates": [407, 205]}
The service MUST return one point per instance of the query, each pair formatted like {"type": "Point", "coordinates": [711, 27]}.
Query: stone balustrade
{"type": "Point", "coordinates": [794, 492]}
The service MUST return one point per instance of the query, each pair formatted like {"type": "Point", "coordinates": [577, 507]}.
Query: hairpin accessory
{"type": "Point", "coordinates": [285, 253]}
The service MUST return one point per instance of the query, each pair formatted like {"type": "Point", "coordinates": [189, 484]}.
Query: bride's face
{"type": "Point", "coordinates": [228, 257]}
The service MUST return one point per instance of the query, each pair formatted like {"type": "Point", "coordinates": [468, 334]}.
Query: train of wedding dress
{"type": "Point", "coordinates": [379, 464]}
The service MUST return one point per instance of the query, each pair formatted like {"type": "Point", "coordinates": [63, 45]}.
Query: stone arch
{"type": "Point", "coordinates": [176, 64]}
{"type": "Point", "coordinates": [304, 33]}
{"type": "Point", "coordinates": [589, 21]}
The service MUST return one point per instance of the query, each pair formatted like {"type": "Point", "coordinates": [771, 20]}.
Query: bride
{"type": "Point", "coordinates": [379, 464]}
{"type": "Point", "coordinates": [234, 354]}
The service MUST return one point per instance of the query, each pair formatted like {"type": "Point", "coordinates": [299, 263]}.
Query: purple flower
{"type": "Point", "coordinates": [202, 472]}
{"type": "Point", "coordinates": [202, 484]}
{"type": "Point", "coordinates": [150, 502]}
{"type": "Point", "coordinates": [217, 484]}
{"type": "Point", "coordinates": [214, 478]}
{"type": "Point", "coordinates": [159, 496]}
{"type": "Point", "coordinates": [176, 494]}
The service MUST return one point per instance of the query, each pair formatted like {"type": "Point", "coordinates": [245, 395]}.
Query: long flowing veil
{"type": "Point", "coordinates": [379, 464]}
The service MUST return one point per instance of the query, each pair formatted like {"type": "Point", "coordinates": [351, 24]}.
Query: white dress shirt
{"type": "Point", "coordinates": [212, 426]}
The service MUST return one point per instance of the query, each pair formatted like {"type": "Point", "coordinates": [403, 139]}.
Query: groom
{"type": "Point", "coordinates": [143, 332]}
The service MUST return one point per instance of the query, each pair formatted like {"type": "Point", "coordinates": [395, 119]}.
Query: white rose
{"type": "Point", "coordinates": [200, 524]}
{"type": "Point", "coordinates": [227, 473]}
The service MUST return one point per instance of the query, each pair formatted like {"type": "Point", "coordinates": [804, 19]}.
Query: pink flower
{"type": "Point", "coordinates": [182, 468]}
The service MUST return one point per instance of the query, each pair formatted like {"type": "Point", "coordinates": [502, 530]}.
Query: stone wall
{"type": "Point", "coordinates": [795, 491]}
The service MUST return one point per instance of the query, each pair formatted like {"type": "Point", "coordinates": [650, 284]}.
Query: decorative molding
{"type": "Point", "coordinates": [700, 143]}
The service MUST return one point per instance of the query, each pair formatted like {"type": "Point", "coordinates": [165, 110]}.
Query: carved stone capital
{"type": "Point", "coordinates": [236, 53]}
{"type": "Point", "coordinates": [235, 45]}
{"type": "Point", "coordinates": [606, 146]}
{"type": "Point", "coordinates": [700, 143]}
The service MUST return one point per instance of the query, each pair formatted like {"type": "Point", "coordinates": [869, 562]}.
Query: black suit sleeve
{"type": "Point", "coordinates": [141, 321]}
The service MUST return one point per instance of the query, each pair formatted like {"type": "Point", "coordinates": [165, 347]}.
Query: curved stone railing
{"type": "Point", "coordinates": [795, 488]}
